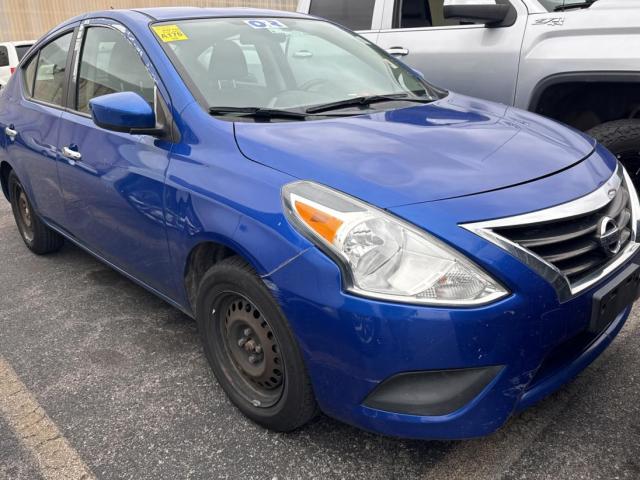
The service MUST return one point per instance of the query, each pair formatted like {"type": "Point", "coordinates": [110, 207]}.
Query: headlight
{"type": "Point", "coordinates": [382, 256]}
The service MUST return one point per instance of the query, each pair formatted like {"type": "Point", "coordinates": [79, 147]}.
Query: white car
{"type": "Point", "coordinates": [10, 55]}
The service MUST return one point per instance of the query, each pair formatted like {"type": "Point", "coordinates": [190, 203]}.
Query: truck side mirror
{"type": "Point", "coordinates": [477, 11]}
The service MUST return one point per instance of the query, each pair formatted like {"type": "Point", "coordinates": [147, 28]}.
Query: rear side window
{"type": "Point", "coordinates": [50, 72]}
{"type": "Point", "coordinates": [422, 13]}
{"type": "Point", "coordinates": [21, 50]}
{"type": "Point", "coordinates": [4, 57]}
{"type": "Point", "coordinates": [110, 64]}
{"type": "Point", "coordinates": [356, 15]}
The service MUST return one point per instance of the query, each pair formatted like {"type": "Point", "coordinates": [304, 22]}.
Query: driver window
{"type": "Point", "coordinates": [110, 64]}
{"type": "Point", "coordinates": [423, 13]}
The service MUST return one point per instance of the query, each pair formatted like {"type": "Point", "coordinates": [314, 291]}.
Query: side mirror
{"type": "Point", "coordinates": [477, 11]}
{"type": "Point", "coordinates": [124, 112]}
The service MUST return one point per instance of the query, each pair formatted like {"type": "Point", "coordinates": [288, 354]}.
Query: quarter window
{"type": "Point", "coordinates": [356, 15]}
{"type": "Point", "coordinates": [50, 72]}
{"type": "Point", "coordinates": [110, 64]}
{"type": "Point", "coordinates": [30, 74]}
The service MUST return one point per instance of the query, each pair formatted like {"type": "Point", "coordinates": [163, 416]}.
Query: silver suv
{"type": "Point", "coordinates": [576, 61]}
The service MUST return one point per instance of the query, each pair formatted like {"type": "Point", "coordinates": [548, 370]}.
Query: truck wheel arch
{"type": "Point", "coordinates": [579, 98]}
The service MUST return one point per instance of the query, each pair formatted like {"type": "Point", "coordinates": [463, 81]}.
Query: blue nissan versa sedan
{"type": "Point", "coordinates": [349, 238]}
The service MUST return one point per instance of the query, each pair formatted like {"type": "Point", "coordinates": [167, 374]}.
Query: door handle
{"type": "Point", "coordinates": [10, 132]}
{"type": "Point", "coordinates": [72, 153]}
{"type": "Point", "coordinates": [398, 51]}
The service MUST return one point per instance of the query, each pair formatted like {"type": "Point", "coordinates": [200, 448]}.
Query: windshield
{"type": "Point", "coordinates": [555, 5]}
{"type": "Point", "coordinates": [282, 63]}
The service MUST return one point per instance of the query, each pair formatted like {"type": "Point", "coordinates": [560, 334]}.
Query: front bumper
{"type": "Point", "coordinates": [352, 344]}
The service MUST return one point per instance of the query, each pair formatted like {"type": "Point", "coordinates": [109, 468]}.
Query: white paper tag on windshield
{"type": "Point", "coordinates": [265, 23]}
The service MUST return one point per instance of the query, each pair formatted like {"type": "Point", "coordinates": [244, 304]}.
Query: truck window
{"type": "Point", "coordinates": [356, 15]}
{"type": "Point", "coordinates": [421, 14]}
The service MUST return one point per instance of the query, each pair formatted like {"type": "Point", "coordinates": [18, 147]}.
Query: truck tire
{"type": "Point", "coordinates": [622, 138]}
{"type": "Point", "coordinates": [39, 238]}
{"type": "Point", "coordinates": [251, 349]}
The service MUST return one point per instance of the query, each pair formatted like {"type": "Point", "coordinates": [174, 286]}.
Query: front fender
{"type": "Point", "coordinates": [215, 194]}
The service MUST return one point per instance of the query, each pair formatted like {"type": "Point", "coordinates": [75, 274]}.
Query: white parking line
{"type": "Point", "coordinates": [56, 459]}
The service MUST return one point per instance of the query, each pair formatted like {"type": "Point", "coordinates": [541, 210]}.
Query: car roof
{"type": "Point", "coordinates": [180, 13]}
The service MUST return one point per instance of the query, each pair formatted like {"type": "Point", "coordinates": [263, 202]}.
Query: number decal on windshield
{"type": "Point", "coordinates": [265, 23]}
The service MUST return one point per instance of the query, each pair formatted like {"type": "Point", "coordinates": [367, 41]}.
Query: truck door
{"type": "Point", "coordinates": [465, 57]}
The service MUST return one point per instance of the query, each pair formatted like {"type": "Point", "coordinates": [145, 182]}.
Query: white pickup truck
{"type": "Point", "coordinates": [10, 55]}
{"type": "Point", "coordinates": [577, 61]}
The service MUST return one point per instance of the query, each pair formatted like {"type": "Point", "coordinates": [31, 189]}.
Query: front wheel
{"type": "Point", "coordinates": [622, 138]}
{"type": "Point", "coordinates": [39, 238]}
{"type": "Point", "coordinates": [251, 348]}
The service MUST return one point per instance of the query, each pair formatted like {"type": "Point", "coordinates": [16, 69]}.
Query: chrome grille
{"type": "Point", "coordinates": [572, 244]}
{"type": "Point", "coordinates": [569, 244]}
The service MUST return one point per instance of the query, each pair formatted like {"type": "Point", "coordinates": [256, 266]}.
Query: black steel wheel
{"type": "Point", "coordinates": [251, 348]}
{"type": "Point", "coordinates": [25, 223]}
{"type": "Point", "coordinates": [36, 235]}
{"type": "Point", "coordinates": [246, 344]}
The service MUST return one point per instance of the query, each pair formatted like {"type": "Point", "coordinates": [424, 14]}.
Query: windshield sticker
{"type": "Point", "coordinates": [266, 23]}
{"type": "Point", "coordinates": [169, 33]}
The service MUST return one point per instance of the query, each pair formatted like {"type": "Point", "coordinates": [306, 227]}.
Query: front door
{"type": "Point", "coordinates": [113, 183]}
{"type": "Point", "coordinates": [472, 59]}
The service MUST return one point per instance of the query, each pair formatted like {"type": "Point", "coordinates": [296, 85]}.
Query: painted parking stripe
{"type": "Point", "coordinates": [36, 431]}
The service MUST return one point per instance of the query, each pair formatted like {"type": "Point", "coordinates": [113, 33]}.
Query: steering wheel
{"type": "Point", "coordinates": [314, 82]}
{"type": "Point", "coordinates": [304, 91]}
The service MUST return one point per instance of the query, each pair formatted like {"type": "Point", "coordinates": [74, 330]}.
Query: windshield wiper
{"type": "Point", "coordinates": [568, 6]}
{"type": "Point", "coordinates": [364, 101]}
{"type": "Point", "coordinates": [257, 112]}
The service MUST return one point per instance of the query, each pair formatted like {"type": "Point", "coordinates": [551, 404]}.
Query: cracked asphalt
{"type": "Point", "coordinates": [122, 377]}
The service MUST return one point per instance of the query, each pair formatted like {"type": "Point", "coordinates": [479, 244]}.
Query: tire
{"type": "Point", "coordinates": [39, 238]}
{"type": "Point", "coordinates": [239, 319]}
{"type": "Point", "coordinates": [622, 138]}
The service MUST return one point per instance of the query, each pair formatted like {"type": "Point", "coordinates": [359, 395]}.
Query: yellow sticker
{"type": "Point", "coordinates": [169, 33]}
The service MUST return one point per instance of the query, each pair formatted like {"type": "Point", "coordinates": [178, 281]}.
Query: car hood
{"type": "Point", "coordinates": [454, 147]}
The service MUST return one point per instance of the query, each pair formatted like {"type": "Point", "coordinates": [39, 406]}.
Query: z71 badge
{"type": "Point", "coordinates": [550, 22]}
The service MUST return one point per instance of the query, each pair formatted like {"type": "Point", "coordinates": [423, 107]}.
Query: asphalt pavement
{"type": "Point", "coordinates": [121, 382]}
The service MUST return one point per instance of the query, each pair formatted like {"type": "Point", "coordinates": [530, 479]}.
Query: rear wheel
{"type": "Point", "coordinates": [622, 138]}
{"type": "Point", "coordinates": [251, 348]}
{"type": "Point", "coordinates": [39, 238]}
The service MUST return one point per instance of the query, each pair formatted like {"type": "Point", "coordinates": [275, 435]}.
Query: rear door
{"type": "Point", "coordinates": [30, 122]}
{"type": "Point", "coordinates": [468, 58]}
{"type": "Point", "coordinates": [113, 182]}
{"type": "Point", "coordinates": [365, 16]}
